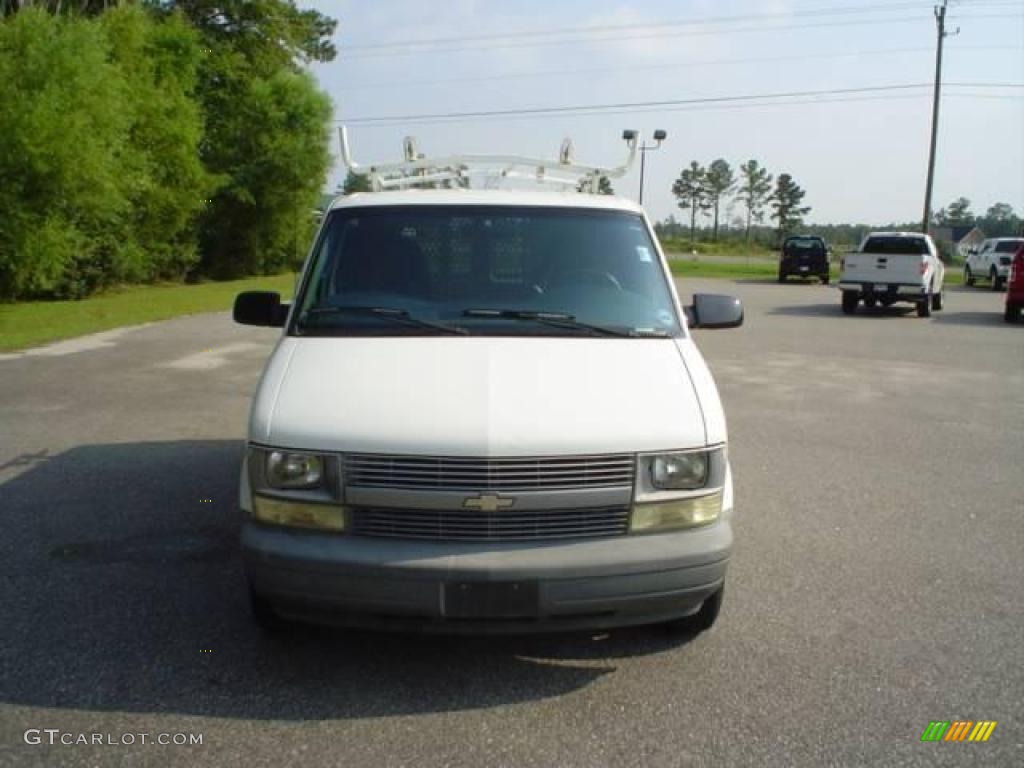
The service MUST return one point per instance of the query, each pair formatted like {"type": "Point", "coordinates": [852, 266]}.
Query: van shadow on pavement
{"type": "Point", "coordinates": [123, 590]}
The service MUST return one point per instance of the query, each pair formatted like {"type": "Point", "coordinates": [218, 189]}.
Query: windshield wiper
{"type": "Point", "coordinates": [557, 319]}
{"type": "Point", "coordinates": [389, 313]}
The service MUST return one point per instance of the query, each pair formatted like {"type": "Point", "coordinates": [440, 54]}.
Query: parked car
{"type": "Point", "coordinates": [891, 267]}
{"type": "Point", "coordinates": [487, 413]}
{"type": "Point", "coordinates": [803, 256]}
{"type": "Point", "coordinates": [1015, 287]}
{"type": "Point", "coordinates": [991, 261]}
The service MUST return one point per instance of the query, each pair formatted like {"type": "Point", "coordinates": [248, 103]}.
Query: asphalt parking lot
{"type": "Point", "coordinates": [876, 583]}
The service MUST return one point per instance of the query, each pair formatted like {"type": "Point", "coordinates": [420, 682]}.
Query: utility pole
{"type": "Point", "coordinates": [940, 27]}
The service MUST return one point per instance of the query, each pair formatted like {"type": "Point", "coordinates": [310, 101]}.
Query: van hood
{"type": "Point", "coordinates": [479, 396]}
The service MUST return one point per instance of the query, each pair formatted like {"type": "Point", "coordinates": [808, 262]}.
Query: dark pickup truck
{"type": "Point", "coordinates": [804, 256]}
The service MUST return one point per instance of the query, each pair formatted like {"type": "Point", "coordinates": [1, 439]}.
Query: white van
{"type": "Point", "coordinates": [486, 413]}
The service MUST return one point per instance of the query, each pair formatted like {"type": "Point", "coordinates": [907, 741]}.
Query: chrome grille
{"type": "Point", "coordinates": [496, 474]}
{"type": "Point", "coordinates": [505, 525]}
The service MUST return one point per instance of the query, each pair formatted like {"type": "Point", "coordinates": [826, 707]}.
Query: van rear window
{"type": "Point", "coordinates": [894, 245]}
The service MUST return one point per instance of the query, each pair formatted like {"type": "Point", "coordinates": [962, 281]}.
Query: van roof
{"type": "Point", "coordinates": [526, 198]}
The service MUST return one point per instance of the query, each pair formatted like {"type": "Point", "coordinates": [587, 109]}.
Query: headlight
{"type": "Point", "coordinates": [682, 513]}
{"type": "Point", "coordinates": [298, 514]}
{"type": "Point", "coordinates": [285, 469]}
{"type": "Point", "coordinates": [679, 471]}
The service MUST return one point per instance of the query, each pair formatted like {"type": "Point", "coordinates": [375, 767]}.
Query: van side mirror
{"type": "Point", "coordinates": [260, 308]}
{"type": "Point", "coordinates": [711, 310]}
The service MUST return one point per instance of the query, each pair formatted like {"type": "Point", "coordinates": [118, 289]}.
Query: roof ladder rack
{"type": "Point", "coordinates": [417, 169]}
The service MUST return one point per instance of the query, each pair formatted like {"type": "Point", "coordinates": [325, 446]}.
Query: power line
{"type": "Point", "coordinates": [660, 35]}
{"type": "Point", "coordinates": [922, 96]}
{"type": "Point", "coordinates": [621, 38]}
{"type": "Point", "coordinates": [673, 65]}
{"type": "Point", "coordinates": [577, 31]}
{"type": "Point", "coordinates": [590, 108]}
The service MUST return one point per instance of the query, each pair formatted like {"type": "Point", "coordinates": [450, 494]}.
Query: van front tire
{"type": "Point", "coordinates": [704, 619]}
{"type": "Point", "coordinates": [263, 613]}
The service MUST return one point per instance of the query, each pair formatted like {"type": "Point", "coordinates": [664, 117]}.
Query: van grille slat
{"type": "Point", "coordinates": [488, 474]}
{"type": "Point", "coordinates": [504, 525]}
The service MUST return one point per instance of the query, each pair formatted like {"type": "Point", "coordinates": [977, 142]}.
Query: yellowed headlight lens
{"type": "Point", "coordinates": [298, 514]}
{"type": "Point", "coordinates": [681, 513]}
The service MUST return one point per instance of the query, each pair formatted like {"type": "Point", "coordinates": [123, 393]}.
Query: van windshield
{"type": "Point", "coordinates": [485, 270]}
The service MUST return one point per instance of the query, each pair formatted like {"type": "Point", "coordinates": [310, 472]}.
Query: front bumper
{"type": "Point", "coordinates": [485, 587]}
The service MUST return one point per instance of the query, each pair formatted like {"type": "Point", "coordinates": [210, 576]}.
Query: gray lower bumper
{"type": "Point", "coordinates": [512, 587]}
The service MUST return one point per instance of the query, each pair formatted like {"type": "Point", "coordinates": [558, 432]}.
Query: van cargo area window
{"type": "Point", "coordinates": [485, 270]}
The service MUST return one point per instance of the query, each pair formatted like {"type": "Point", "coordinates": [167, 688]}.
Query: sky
{"type": "Point", "coordinates": [861, 157]}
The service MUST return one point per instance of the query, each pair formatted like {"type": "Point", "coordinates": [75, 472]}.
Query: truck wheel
{"type": "Point", "coordinates": [993, 277]}
{"type": "Point", "coordinates": [924, 306]}
{"type": "Point", "coordinates": [782, 277]}
{"type": "Point", "coordinates": [968, 276]}
{"type": "Point", "coordinates": [850, 299]}
{"type": "Point", "coordinates": [824, 279]}
{"type": "Point", "coordinates": [1012, 314]}
{"type": "Point", "coordinates": [937, 299]}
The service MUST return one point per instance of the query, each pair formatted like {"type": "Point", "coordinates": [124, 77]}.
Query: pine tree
{"type": "Point", "coordinates": [719, 181]}
{"type": "Point", "coordinates": [786, 208]}
{"type": "Point", "coordinates": [691, 191]}
{"type": "Point", "coordinates": [755, 190]}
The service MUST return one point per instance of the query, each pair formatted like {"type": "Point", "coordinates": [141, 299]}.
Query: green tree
{"type": "Point", "coordinates": [957, 213]}
{"type": "Point", "coordinates": [69, 7]}
{"type": "Point", "coordinates": [64, 195]}
{"type": "Point", "coordinates": [270, 34]}
{"type": "Point", "coordinates": [168, 185]}
{"type": "Point", "coordinates": [270, 148]}
{"type": "Point", "coordinates": [355, 182]}
{"type": "Point", "coordinates": [785, 204]}
{"type": "Point", "coordinates": [1000, 212]}
{"type": "Point", "coordinates": [1000, 220]}
{"type": "Point", "coordinates": [266, 132]}
{"type": "Point", "coordinates": [755, 188]}
{"type": "Point", "coordinates": [719, 181]}
{"type": "Point", "coordinates": [604, 186]}
{"type": "Point", "coordinates": [132, 131]}
{"type": "Point", "coordinates": [690, 190]}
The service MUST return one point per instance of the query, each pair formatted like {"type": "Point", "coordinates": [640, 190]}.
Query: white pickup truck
{"type": "Point", "coordinates": [991, 261]}
{"type": "Point", "coordinates": [890, 267]}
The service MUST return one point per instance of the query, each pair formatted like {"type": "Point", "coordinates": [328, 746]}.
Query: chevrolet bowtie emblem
{"type": "Point", "coordinates": [488, 503]}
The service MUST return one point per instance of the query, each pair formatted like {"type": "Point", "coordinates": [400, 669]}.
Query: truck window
{"type": "Point", "coordinates": [1008, 246]}
{"type": "Point", "coordinates": [896, 245]}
